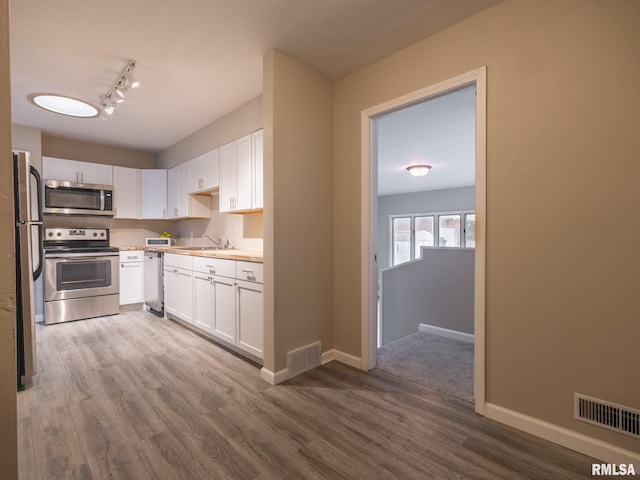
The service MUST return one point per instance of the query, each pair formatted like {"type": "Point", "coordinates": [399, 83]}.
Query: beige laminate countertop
{"type": "Point", "coordinates": [231, 254]}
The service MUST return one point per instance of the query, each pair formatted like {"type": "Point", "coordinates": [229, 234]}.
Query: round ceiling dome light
{"type": "Point", "coordinates": [64, 105]}
{"type": "Point", "coordinates": [419, 170]}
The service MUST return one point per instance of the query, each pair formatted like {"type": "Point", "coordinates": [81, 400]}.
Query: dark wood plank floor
{"type": "Point", "coordinates": [136, 397]}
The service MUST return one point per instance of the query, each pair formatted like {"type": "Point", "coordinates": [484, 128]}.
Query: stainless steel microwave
{"type": "Point", "coordinates": [70, 198]}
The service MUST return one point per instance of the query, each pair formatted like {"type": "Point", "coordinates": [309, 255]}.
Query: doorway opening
{"type": "Point", "coordinates": [440, 226]}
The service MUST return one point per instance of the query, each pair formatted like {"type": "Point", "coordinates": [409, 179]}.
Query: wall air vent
{"type": "Point", "coordinates": [607, 415]}
{"type": "Point", "coordinates": [303, 359]}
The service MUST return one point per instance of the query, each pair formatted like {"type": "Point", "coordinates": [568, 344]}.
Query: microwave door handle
{"type": "Point", "coordinates": [101, 200]}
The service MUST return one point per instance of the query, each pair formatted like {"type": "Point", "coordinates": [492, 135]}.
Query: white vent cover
{"type": "Point", "coordinates": [607, 415]}
{"type": "Point", "coordinates": [303, 359]}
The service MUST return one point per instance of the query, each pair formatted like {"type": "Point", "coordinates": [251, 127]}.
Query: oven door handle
{"type": "Point", "coordinates": [83, 256]}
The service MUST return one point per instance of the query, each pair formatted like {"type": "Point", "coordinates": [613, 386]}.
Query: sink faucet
{"type": "Point", "coordinates": [218, 241]}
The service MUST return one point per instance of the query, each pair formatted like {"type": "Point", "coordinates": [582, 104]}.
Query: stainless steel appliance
{"type": "Point", "coordinates": [81, 274]}
{"type": "Point", "coordinates": [28, 235]}
{"type": "Point", "coordinates": [153, 282]}
{"type": "Point", "coordinates": [70, 198]}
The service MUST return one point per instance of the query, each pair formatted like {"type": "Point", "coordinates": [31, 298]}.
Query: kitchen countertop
{"type": "Point", "coordinates": [230, 254]}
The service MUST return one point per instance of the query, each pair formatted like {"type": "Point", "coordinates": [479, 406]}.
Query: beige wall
{"type": "Point", "coordinates": [562, 199]}
{"type": "Point", "coordinates": [60, 147]}
{"type": "Point", "coordinates": [245, 119]}
{"type": "Point", "coordinates": [29, 139]}
{"type": "Point", "coordinates": [8, 412]}
{"type": "Point", "coordinates": [298, 207]}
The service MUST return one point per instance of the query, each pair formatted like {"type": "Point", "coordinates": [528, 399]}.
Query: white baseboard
{"type": "Point", "coordinates": [347, 359]}
{"type": "Point", "coordinates": [584, 444]}
{"type": "Point", "coordinates": [39, 318]}
{"type": "Point", "coordinates": [274, 378]}
{"type": "Point", "coordinates": [326, 357]}
{"type": "Point", "coordinates": [445, 332]}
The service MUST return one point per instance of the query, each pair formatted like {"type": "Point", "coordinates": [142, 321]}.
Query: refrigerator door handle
{"type": "Point", "coordinates": [33, 171]}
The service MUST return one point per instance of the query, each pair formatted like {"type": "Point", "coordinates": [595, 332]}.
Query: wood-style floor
{"type": "Point", "coordinates": [136, 397]}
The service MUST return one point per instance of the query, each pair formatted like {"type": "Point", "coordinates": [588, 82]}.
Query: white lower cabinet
{"type": "Point", "coordinates": [227, 301]}
{"type": "Point", "coordinates": [203, 301]}
{"type": "Point", "coordinates": [249, 314]}
{"type": "Point", "coordinates": [225, 309]}
{"type": "Point", "coordinates": [178, 286]}
{"type": "Point", "coordinates": [131, 277]}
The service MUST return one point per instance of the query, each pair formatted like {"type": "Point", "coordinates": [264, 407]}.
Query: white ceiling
{"type": "Point", "coordinates": [439, 132]}
{"type": "Point", "coordinates": [197, 59]}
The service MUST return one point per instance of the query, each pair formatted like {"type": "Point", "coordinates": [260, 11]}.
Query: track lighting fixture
{"type": "Point", "coordinates": [116, 94]}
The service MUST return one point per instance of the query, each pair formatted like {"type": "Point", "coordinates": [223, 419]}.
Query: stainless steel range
{"type": "Point", "coordinates": [81, 274]}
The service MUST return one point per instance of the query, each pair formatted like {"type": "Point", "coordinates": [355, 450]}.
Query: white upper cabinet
{"type": "Point", "coordinates": [228, 176]}
{"type": "Point", "coordinates": [257, 187]}
{"type": "Point", "coordinates": [96, 173]}
{"type": "Point", "coordinates": [176, 183]}
{"type": "Point", "coordinates": [203, 172]}
{"type": "Point", "coordinates": [74, 171]}
{"type": "Point", "coordinates": [126, 192]}
{"type": "Point", "coordinates": [181, 203]}
{"type": "Point", "coordinates": [243, 181]}
{"type": "Point", "coordinates": [153, 194]}
{"type": "Point", "coordinates": [241, 174]}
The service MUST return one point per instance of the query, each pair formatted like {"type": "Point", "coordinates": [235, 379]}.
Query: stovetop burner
{"type": "Point", "coordinates": [77, 240]}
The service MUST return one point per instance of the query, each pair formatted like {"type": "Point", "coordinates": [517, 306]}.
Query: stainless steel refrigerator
{"type": "Point", "coordinates": [29, 258]}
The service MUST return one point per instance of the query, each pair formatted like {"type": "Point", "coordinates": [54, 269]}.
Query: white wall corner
{"type": "Point", "coordinates": [578, 442]}
{"type": "Point", "coordinates": [347, 359]}
{"type": "Point", "coordinates": [445, 332]}
{"type": "Point", "coordinates": [274, 378]}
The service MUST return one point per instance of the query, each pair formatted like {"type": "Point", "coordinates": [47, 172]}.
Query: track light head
{"type": "Point", "coordinates": [124, 83]}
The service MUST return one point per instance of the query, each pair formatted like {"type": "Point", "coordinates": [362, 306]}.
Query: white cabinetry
{"type": "Point", "coordinates": [74, 171]}
{"type": "Point", "coordinates": [240, 172]}
{"type": "Point", "coordinates": [203, 301]}
{"type": "Point", "coordinates": [203, 172]}
{"type": "Point", "coordinates": [225, 308]}
{"type": "Point", "coordinates": [227, 298]}
{"type": "Point", "coordinates": [181, 203]}
{"type": "Point", "coordinates": [131, 277]}
{"type": "Point", "coordinates": [153, 194]}
{"type": "Point", "coordinates": [126, 192]}
{"type": "Point", "coordinates": [214, 297]}
{"type": "Point", "coordinates": [178, 286]}
{"type": "Point", "coordinates": [249, 310]}
{"type": "Point", "coordinates": [257, 179]}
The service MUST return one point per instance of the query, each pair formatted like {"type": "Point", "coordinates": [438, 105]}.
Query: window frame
{"type": "Point", "coordinates": [436, 231]}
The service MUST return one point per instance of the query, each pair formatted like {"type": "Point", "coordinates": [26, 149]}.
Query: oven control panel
{"type": "Point", "coordinates": [76, 234]}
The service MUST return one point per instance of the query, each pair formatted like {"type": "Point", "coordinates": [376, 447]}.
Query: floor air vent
{"type": "Point", "coordinates": [608, 415]}
{"type": "Point", "coordinates": [303, 359]}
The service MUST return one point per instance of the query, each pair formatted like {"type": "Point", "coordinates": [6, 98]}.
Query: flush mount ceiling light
{"type": "Point", "coordinates": [419, 170]}
{"type": "Point", "coordinates": [64, 105]}
{"type": "Point", "coordinates": [116, 94]}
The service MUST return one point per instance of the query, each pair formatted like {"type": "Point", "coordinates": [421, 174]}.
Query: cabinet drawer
{"type": "Point", "coordinates": [249, 271]}
{"type": "Point", "coordinates": [178, 261]}
{"type": "Point", "coordinates": [215, 266]}
{"type": "Point", "coordinates": [132, 256]}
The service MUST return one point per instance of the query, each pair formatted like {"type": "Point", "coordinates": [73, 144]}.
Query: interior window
{"type": "Point", "coordinates": [401, 240]}
{"type": "Point", "coordinates": [424, 233]}
{"type": "Point", "coordinates": [449, 231]}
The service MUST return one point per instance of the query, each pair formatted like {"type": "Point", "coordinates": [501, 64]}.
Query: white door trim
{"type": "Point", "coordinates": [368, 221]}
